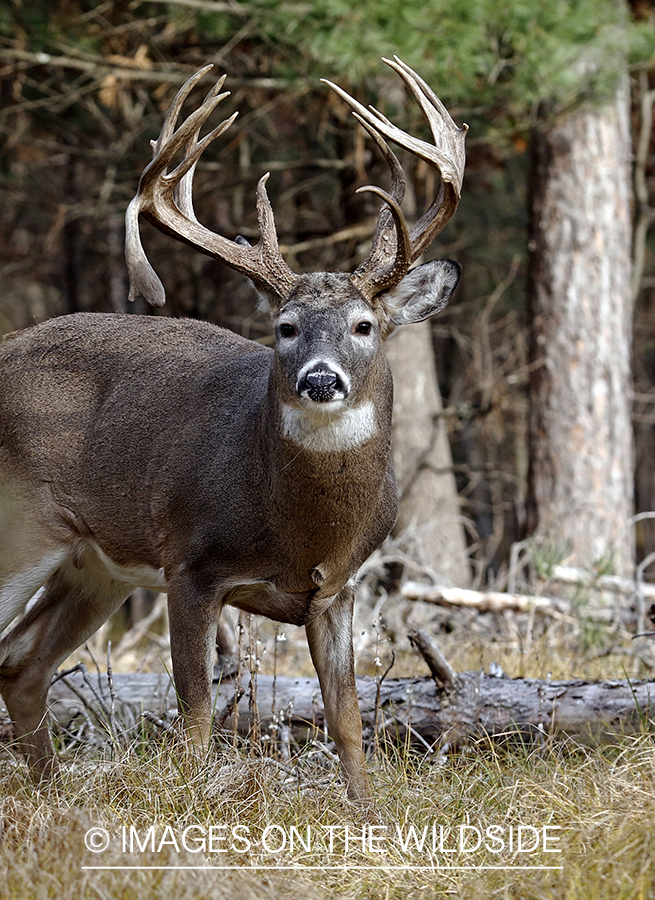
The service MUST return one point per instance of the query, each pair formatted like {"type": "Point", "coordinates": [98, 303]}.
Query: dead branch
{"type": "Point", "coordinates": [439, 666]}
{"type": "Point", "coordinates": [489, 601]}
{"type": "Point", "coordinates": [100, 68]}
{"type": "Point", "coordinates": [611, 583]}
{"type": "Point", "coordinates": [480, 704]}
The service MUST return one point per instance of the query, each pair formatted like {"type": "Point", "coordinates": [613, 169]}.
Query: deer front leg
{"type": "Point", "coordinates": [193, 621]}
{"type": "Point", "coordinates": [331, 646]}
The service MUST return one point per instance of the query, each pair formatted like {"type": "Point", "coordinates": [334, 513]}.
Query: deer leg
{"type": "Point", "coordinates": [193, 624]}
{"type": "Point", "coordinates": [331, 647]}
{"type": "Point", "coordinates": [226, 643]}
{"type": "Point", "coordinates": [29, 553]}
{"type": "Point", "coordinates": [74, 603]}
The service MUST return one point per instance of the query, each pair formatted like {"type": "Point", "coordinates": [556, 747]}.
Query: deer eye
{"type": "Point", "coordinates": [287, 330]}
{"type": "Point", "coordinates": [363, 328]}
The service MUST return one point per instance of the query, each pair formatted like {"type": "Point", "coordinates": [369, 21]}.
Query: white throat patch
{"type": "Point", "coordinates": [325, 432]}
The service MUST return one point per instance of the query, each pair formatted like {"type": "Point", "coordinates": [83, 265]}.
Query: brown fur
{"type": "Point", "coordinates": [147, 451]}
{"type": "Point", "coordinates": [141, 448]}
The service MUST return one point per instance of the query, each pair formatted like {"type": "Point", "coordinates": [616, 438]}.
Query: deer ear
{"type": "Point", "coordinates": [423, 292]}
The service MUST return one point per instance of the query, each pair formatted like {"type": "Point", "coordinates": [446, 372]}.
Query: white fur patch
{"type": "Point", "coordinates": [137, 576]}
{"type": "Point", "coordinates": [329, 431]}
{"type": "Point", "coordinates": [18, 589]}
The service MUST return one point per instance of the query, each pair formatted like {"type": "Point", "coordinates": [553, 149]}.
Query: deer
{"type": "Point", "coordinates": [175, 455]}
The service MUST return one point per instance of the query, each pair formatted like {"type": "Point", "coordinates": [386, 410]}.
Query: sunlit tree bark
{"type": "Point", "coordinates": [429, 514]}
{"type": "Point", "coordinates": [581, 472]}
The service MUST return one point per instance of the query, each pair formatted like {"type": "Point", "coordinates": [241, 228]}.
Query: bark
{"type": "Point", "coordinates": [581, 460]}
{"type": "Point", "coordinates": [477, 705]}
{"type": "Point", "coordinates": [429, 506]}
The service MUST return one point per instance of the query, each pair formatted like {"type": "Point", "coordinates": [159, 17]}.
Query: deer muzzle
{"type": "Point", "coordinates": [322, 383]}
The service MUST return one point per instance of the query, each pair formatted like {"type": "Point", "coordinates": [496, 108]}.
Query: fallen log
{"type": "Point", "coordinates": [500, 601]}
{"type": "Point", "coordinates": [487, 601]}
{"type": "Point", "coordinates": [611, 583]}
{"type": "Point", "coordinates": [477, 704]}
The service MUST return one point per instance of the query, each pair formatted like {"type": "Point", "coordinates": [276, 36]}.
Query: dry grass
{"type": "Point", "coordinates": [602, 800]}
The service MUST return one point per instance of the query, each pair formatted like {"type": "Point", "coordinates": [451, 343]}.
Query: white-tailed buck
{"type": "Point", "coordinates": [175, 455]}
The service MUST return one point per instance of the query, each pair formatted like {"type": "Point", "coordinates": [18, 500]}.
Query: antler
{"type": "Point", "coordinates": [395, 247]}
{"type": "Point", "coordinates": [165, 199]}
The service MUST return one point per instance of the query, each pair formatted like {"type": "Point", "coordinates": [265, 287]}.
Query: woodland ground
{"type": "Point", "coordinates": [597, 803]}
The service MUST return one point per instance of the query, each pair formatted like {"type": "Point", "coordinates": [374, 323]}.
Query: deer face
{"type": "Point", "coordinates": [328, 339]}
{"type": "Point", "coordinates": [329, 359]}
{"type": "Point", "coordinates": [329, 349]}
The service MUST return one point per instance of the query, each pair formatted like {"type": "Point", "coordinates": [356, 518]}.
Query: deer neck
{"type": "Point", "coordinates": [325, 438]}
{"type": "Point", "coordinates": [331, 504]}
{"type": "Point", "coordinates": [332, 464]}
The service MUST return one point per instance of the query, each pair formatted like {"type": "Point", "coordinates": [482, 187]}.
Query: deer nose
{"type": "Point", "coordinates": [322, 384]}
{"type": "Point", "coordinates": [321, 380]}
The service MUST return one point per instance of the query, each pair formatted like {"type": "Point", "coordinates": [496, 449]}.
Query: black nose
{"type": "Point", "coordinates": [321, 385]}
{"type": "Point", "coordinates": [321, 380]}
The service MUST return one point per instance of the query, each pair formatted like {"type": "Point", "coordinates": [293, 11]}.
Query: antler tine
{"type": "Point", "coordinates": [446, 155]}
{"type": "Point", "coordinates": [397, 174]}
{"type": "Point", "coordinates": [391, 224]}
{"type": "Point", "coordinates": [443, 126]}
{"type": "Point", "coordinates": [168, 128]}
{"type": "Point", "coordinates": [185, 136]}
{"type": "Point", "coordinates": [165, 199]}
{"type": "Point", "coordinates": [144, 281]}
{"type": "Point", "coordinates": [386, 276]}
{"type": "Point", "coordinates": [183, 193]}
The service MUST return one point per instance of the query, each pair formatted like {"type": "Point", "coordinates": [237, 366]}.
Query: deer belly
{"type": "Point", "coordinates": [263, 598]}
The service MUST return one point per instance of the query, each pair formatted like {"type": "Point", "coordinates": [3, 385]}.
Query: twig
{"type": "Point", "coordinates": [79, 667]}
{"type": "Point", "coordinates": [85, 706]}
{"type": "Point", "coordinates": [156, 720]}
{"type": "Point", "coordinates": [346, 234]}
{"type": "Point", "coordinates": [378, 689]}
{"type": "Point", "coordinates": [88, 649]}
{"type": "Point", "coordinates": [138, 631]}
{"type": "Point", "coordinates": [440, 668]}
{"type": "Point", "coordinates": [239, 691]}
{"type": "Point", "coordinates": [100, 69]}
{"type": "Point", "coordinates": [112, 694]}
{"type": "Point", "coordinates": [235, 9]}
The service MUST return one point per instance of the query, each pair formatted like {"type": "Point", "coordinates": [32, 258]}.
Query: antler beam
{"type": "Point", "coordinates": [165, 199]}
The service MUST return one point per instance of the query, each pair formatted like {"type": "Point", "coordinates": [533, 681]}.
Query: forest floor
{"type": "Point", "coordinates": [153, 819]}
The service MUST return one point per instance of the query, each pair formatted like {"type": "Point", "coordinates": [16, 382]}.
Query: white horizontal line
{"type": "Point", "coordinates": [283, 868]}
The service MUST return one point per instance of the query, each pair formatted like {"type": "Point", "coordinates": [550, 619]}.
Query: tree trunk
{"type": "Point", "coordinates": [429, 505]}
{"type": "Point", "coordinates": [581, 460]}
{"type": "Point", "coordinates": [475, 706]}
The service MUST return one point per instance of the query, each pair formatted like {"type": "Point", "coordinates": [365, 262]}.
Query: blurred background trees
{"type": "Point", "coordinates": [83, 86]}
